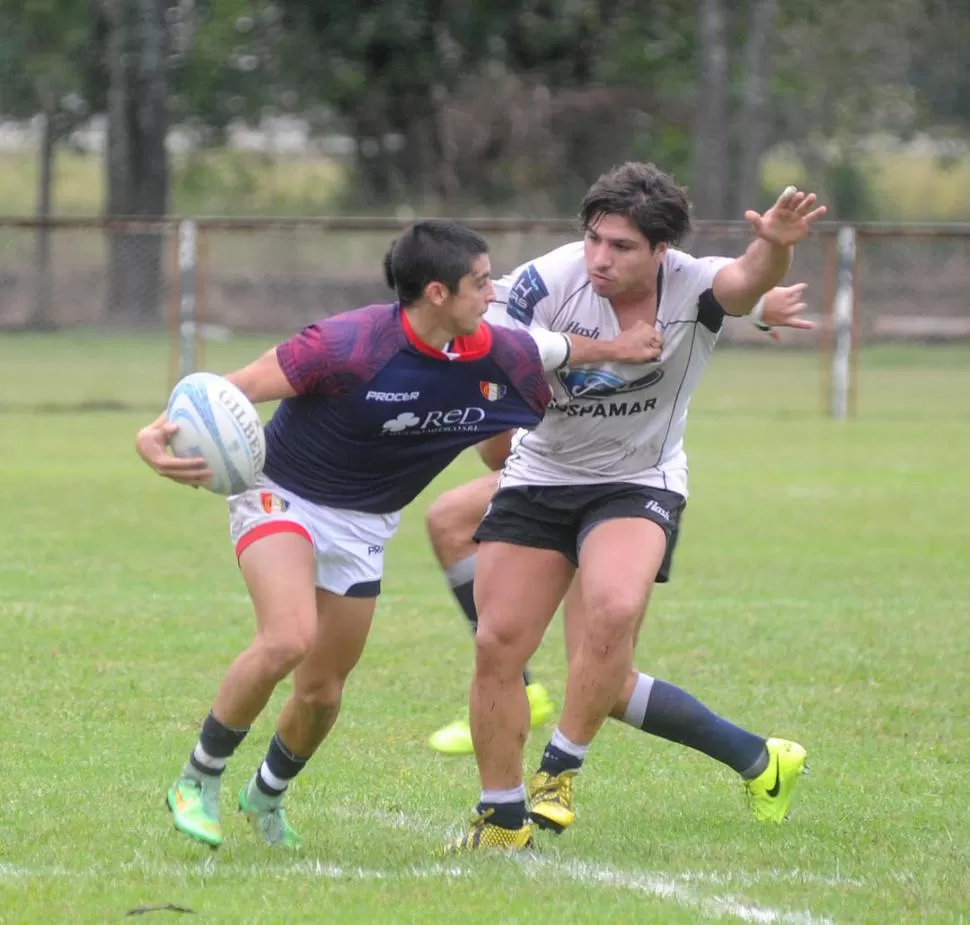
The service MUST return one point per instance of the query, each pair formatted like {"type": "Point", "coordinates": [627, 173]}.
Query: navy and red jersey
{"type": "Point", "coordinates": [378, 414]}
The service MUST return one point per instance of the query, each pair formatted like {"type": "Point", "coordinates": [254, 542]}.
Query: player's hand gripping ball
{"type": "Point", "coordinates": [219, 424]}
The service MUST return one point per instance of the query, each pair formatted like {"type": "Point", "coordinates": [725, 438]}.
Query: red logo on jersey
{"type": "Point", "coordinates": [492, 391]}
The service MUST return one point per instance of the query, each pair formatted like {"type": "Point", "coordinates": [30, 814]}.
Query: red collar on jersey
{"type": "Point", "coordinates": [472, 347]}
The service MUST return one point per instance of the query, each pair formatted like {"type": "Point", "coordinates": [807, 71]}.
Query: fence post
{"type": "Point", "coordinates": [188, 258]}
{"type": "Point", "coordinates": [842, 324]}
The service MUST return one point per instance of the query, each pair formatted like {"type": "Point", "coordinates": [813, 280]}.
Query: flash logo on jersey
{"type": "Point", "coordinates": [601, 383]}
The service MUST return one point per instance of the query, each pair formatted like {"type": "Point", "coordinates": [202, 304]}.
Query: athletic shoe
{"type": "Point", "coordinates": [483, 835]}
{"type": "Point", "coordinates": [194, 802]}
{"type": "Point", "coordinates": [456, 737]}
{"type": "Point", "coordinates": [551, 800]}
{"type": "Point", "coordinates": [267, 816]}
{"type": "Point", "coordinates": [770, 793]}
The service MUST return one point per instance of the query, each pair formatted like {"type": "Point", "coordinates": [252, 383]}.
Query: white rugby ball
{"type": "Point", "coordinates": [217, 422]}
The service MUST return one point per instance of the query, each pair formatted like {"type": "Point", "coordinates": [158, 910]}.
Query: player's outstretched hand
{"type": "Point", "coordinates": [152, 446]}
{"type": "Point", "coordinates": [783, 309]}
{"type": "Point", "coordinates": [789, 220]}
{"type": "Point", "coordinates": [639, 344]}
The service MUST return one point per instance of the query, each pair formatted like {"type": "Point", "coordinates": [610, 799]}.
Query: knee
{"type": "Point", "coordinates": [611, 623]}
{"type": "Point", "coordinates": [499, 646]}
{"type": "Point", "coordinates": [280, 652]}
{"type": "Point", "coordinates": [322, 698]}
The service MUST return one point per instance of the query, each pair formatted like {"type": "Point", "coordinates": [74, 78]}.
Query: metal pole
{"type": "Point", "coordinates": [842, 324]}
{"type": "Point", "coordinates": [188, 257]}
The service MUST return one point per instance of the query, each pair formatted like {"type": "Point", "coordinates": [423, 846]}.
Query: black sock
{"type": "Point", "coordinates": [465, 595]}
{"type": "Point", "coordinates": [505, 815]}
{"type": "Point", "coordinates": [282, 766]}
{"type": "Point", "coordinates": [217, 742]}
{"type": "Point", "coordinates": [664, 710]}
{"type": "Point", "coordinates": [555, 761]}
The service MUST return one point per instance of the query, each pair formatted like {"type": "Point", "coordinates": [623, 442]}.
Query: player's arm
{"type": "Point", "coordinates": [739, 284]}
{"type": "Point", "coordinates": [640, 344]}
{"type": "Point", "coordinates": [496, 450]}
{"type": "Point", "coordinates": [526, 301]}
{"type": "Point", "coordinates": [263, 379]}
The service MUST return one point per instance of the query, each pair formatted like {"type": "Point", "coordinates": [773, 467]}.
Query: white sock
{"type": "Point", "coordinates": [462, 572]}
{"type": "Point", "coordinates": [271, 780]}
{"type": "Point", "coordinates": [515, 795]}
{"type": "Point", "coordinates": [206, 760]}
{"type": "Point", "coordinates": [636, 709]}
{"type": "Point", "coordinates": [567, 745]}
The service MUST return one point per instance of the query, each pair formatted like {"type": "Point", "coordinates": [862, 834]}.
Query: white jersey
{"type": "Point", "coordinates": [611, 423]}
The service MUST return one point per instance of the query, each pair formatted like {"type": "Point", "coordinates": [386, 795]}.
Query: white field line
{"type": "Point", "coordinates": [681, 889]}
{"type": "Point", "coordinates": [657, 885]}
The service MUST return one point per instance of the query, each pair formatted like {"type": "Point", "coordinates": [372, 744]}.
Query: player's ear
{"type": "Point", "coordinates": [436, 293]}
{"type": "Point", "coordinates": [660, 249]}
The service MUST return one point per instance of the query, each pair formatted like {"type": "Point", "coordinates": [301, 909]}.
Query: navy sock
{"type": "Point", "coordinates": [667, 711]}
{"type": "Point", "coordinates": [555, 761]}
{"type": "Point", "coordinates": [279, 767]}
{"type": "Point", "coordinates": [217, 742]}
{"type": "Point", "coordinates": [505, 815]}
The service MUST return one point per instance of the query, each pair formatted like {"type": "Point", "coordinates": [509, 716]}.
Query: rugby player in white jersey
{"type": "Point", "coordinates": [454, 516]}
{"type": "Point", "coordinates": [601, 483]}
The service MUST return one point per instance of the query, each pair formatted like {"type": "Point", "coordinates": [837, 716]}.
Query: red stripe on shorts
{"type": "Point", "coordinates": [268, 529]}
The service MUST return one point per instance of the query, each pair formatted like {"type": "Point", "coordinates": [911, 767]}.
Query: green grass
{"type": "Point", "coordinates": [219, 182]}
{"type": "Point", "coordinates": [905, 186]}
{"type": "Point", "coordinates": [819, 592]}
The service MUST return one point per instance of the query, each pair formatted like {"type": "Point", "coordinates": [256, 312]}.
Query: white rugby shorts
{"type": "Point", "coordinates": [349, 545]}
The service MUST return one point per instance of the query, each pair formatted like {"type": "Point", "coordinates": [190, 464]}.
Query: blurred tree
{"type": "Point", "coordinates": [45, 66]}
{"type": "Point", "coordinates": [843, 81]}
{"type": "Point", "coordinates": [228, 63]}
{"type": "Point", "coordinates": [711, 165]}
{"type": "Point", "coordinates": [754, 123]}
{"type": "Point", "coordinates": [138, 48]}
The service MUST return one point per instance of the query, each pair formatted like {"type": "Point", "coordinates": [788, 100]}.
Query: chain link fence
{"type": "Point", "coordinates": [275, 275]}
{"type": "Point", "coordinates": [124, 283]}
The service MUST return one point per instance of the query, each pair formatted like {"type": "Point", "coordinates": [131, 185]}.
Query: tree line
{"type": "Point", "coordinates": [512, 104]}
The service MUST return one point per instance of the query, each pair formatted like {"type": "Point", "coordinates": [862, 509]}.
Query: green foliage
{"type": "Point", "coordinates": [45, 59]}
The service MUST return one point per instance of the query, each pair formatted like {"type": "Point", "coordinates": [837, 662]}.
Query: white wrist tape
{"type": "Point", "coordinates": [554, 348]}
{"type": "Point", "coordinates": [757, 313]}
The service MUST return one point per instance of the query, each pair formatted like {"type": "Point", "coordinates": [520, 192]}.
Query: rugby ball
{"type": "Point", "coordinates": [217, 422]}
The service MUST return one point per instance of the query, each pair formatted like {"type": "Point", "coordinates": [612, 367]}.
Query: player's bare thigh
{"type": "Point", "coordinates": [279, 571]}
{"type": "Point", "coordinates": [618, 562]}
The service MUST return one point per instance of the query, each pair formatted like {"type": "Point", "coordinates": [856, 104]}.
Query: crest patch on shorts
{"type": "Point", "coordinates": [273, 504]}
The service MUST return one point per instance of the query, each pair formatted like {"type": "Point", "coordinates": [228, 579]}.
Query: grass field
{"type": "Point", "coordinates": [820, 593]}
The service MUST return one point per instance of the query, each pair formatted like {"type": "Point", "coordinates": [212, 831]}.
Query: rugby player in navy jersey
{"type": "Point", "coordinates": [374, 404]}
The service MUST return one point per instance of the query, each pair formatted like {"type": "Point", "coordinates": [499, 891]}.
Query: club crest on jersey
{"type": "Point", "coordinates": [492, 391]}
{"type": "Point", "coordinates": [601, 383]}
{"type": "Point", "coordinates": [273, 504]}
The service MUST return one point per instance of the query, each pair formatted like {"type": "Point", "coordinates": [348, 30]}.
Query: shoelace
{"type": "Point", "coordinates": [555, 790]}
